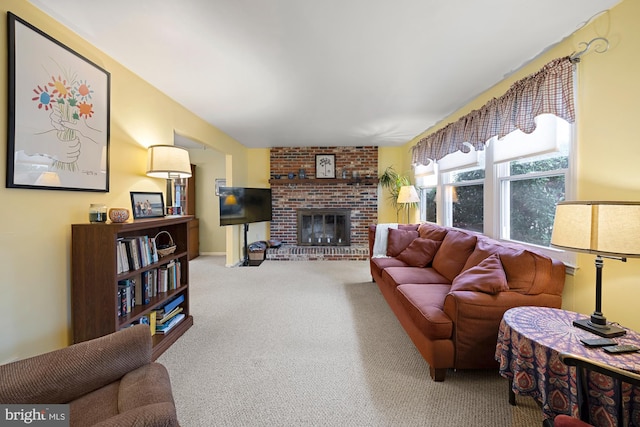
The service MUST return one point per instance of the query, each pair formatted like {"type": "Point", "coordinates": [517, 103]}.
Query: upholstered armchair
{"type": "Point", "coordinates": [107, 381]}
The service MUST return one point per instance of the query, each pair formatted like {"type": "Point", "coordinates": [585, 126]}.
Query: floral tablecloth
{"type": "Point", "coordinates": [529, 342]}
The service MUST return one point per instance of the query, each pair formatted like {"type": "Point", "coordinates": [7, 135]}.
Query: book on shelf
{"type": "Point", "coordinates": [166, 327]}
{"type": "Point", "coordinates": [142, 290]}
{"type": "Point", "coordinates": [173, 303]}
{"type": "Point", "coordinates": [164, 318]}
{"type": "Point", "coordinates": [131, 247]}
{"type": "Point", "coordinates": [126, 296]}
{"type": "Point", "coordinates": [152, 322]}
{"type": "Point", "coordinates": [122, 260]}
{"type": "Point", "coordinates": [140, 251]}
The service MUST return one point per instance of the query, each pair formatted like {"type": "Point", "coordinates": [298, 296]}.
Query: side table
{"type": "Point", "coordinates": [529, 342]}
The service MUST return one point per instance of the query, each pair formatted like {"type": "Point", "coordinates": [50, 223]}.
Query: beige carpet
{"type": "Point", "coordinates": [315, 344]}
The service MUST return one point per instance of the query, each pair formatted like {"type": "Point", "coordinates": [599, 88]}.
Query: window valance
{"type": "Point", "coordinates": [550, 90]}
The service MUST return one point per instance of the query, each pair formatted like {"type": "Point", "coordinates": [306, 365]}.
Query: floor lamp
{"type": "Point", "coordinates": [407, 195]}
{"type": "Point", "coordinates": [168, 162]}
{"type": "Point", "coordinates": [607, 230]}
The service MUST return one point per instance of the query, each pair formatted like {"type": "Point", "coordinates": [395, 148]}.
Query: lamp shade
{"type": "Point", "coordinates": [168, 161]}
{"type": "Point", "coordinates": [408, 194]}
{"type": "Point", "coordinates": [49, 179]}
{"type": "Point", "coordinates": [601, 228]}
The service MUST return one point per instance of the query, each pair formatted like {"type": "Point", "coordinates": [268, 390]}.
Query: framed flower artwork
{"type": "Point", "coordinates": [325, 165]}
{"type": "Point", "coordinates": [59, 105]}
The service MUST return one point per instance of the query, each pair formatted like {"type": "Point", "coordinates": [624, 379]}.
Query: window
{"type": "Point", "coordinates": [464, 199]}
{"type": "Point", "coordinates": [509, 190]}
{"type": "Point", "coordinates": [531, 171]}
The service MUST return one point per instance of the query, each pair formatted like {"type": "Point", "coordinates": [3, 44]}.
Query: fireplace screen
{"type": "Point", "coordinates": [324, 227]}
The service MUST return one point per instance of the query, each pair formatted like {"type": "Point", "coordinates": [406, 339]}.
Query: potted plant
{"type": "Point", "coordinates": [392, 181]}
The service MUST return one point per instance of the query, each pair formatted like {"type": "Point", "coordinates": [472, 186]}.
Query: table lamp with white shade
{"type": "Point", "coordinates": [168, 162]}
{"type": "Point", "coordinates": [605, 229]}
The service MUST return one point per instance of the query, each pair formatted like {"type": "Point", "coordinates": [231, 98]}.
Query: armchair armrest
{"type": "Point", "coordinates": [63, 375]}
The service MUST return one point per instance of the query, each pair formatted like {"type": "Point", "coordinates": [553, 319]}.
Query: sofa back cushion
{"type": "Point", "coordinates": [456, 248]}
{"type": "Point", "coordinates": [527, 272]}
{"type": "Point", "coordinates": [432, 231]}
{"type": "Point", "coordinates": [398, 240]}
{"type": "Point", "coordinates": [420, 252]}
{"type": "Point", "coordinates": [488, 277]}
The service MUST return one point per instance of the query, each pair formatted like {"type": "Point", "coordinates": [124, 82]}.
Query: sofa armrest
{"type": "Point", "coordinates": [63, 375]}
{"type": "Point", "coordinates": [463, 306]}
{"type": "Point", "coordinates": [372, 238]}
{"type": "Point", "coordinates": [476, 319]}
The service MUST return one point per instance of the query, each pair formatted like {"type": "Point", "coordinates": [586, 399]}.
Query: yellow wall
{"type": "Point", "coordinates": [395, 157]}
{"type": "Point", "coordinates": [210, 165]}
{"type": "Point", "coordinates": [35, 225]}
{"type": "Point", "coordinates": [608, 146]}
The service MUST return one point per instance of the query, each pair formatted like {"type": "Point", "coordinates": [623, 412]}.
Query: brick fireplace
{"type": "Point", "coordinates": [356, 194]}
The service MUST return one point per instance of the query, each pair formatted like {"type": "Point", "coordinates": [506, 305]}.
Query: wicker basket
{"type": "Point", "coordinates": [165, 249]}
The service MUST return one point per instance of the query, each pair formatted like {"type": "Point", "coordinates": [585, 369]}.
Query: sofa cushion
{"type": "Point", "coordinates": [424, 305]}
{"type": "Point", "coordinates": [432, 231]}
{"type": "Point", "coordinates": [402, 275]}
{"type": "Point", "coordinates": [420, 252]}
{"type": "Point", "coordinates": [456, 248]}
{"type": "Point", "coordinates": [398, 240]}
{"type": "Point", "coordinates": [488, 277]}
{"type": "Point", "coordinates": [523, 267]}
{"type": "Point", "coordinates": [486, 247]}
{"type": "Point", "coordinates": [382, 263]}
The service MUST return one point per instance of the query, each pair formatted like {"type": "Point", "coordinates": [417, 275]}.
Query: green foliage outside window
{"type": "Point", "coordinates": [532, 201]}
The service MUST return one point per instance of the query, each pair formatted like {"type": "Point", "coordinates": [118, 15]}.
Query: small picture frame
{"type": "Point", "coordinates": [174, 210]}
{"type": "Point", "coordinates": [325, 165]}
{"type": "Point", "coordinates": [220, 182]}
{"type": "Point", "coordinates": [147, 205]}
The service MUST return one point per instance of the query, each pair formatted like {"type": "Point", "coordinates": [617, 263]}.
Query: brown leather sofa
{"type": "Point", "coordinates": [449, 289]}
{"type": "Point", "coordinates": [107, 381]}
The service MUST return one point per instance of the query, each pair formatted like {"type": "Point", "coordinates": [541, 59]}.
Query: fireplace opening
{"type": "Point", "coordinates": [324, 227]}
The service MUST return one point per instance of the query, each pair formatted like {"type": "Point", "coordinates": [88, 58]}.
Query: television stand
{"type": "Point", "coordinates": [245, 262]}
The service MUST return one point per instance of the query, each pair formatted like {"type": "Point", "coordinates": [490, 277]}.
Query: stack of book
{"type": "Point", "coordinates": [169, 315]}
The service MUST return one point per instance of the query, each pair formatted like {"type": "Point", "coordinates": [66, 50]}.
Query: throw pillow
{"type": "Point", "coordinates": [488, 277]}
{"type": "Point", "coordinates": [420, 252]}
{"type": "Point", "coordinates": [398, 240]}
{"type": "Point", "coordinates": [432, 231]}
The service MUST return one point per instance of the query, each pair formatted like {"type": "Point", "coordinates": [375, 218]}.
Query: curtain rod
{"type": "Point", "coordinates": [602, 48]}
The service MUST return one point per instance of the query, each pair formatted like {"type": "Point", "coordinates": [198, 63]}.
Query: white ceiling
{"type": "Point", "coordinates": [274, 73]}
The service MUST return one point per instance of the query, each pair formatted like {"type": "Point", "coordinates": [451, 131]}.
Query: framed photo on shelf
{"type": "Point", "coordinates": [325, 165]}
{"type": "Point", "coordinates": [147, 205]}
{"type": "Point", "coordinates": [58, 118]}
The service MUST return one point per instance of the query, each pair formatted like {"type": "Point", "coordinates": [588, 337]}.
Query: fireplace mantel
{"type": "Point", "coordinates": [324, 181]}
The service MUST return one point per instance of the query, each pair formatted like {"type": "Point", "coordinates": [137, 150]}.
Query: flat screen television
{"type": "Point", "coordinates": [239, 205]}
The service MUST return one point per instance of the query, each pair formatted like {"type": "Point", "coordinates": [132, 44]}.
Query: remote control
{"type": "Point", "coordinates": [597, 342]}
{"type": "Point", "coordinates": [621, 348]}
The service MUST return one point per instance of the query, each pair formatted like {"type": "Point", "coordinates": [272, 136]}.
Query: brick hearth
{"type": "Point", "coordinates": [360, 195]}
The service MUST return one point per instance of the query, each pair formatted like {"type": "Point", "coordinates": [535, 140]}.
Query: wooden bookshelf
{"type": "Point", "coordinates": [94, 278]}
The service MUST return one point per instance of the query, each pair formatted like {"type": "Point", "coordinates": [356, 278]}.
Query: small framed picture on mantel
{"type": "Point", "coordinates": [325, 165]}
